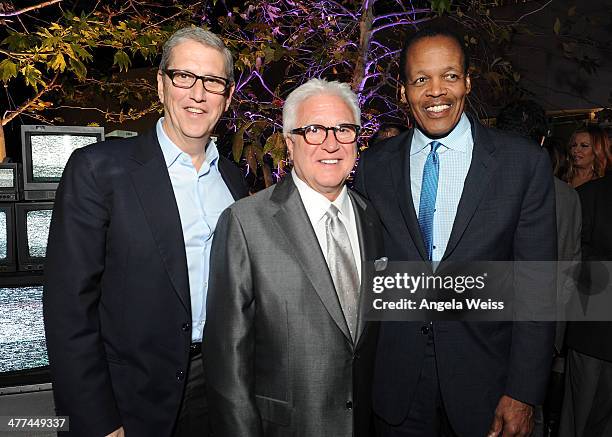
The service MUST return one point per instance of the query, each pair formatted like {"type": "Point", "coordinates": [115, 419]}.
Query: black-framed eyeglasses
{"type": "Point", "coordinates": [316, 134]}
{"type": "Point", "coordinates": [186, 79]}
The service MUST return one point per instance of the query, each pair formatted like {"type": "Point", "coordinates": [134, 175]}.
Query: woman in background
{"type": "Point", "coordinates": [589, 147]}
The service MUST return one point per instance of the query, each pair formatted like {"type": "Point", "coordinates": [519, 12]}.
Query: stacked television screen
{"type": "Point", "coordinates": [27, 192]}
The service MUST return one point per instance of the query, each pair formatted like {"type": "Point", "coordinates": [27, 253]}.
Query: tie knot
{"type": "Point", "coordinates": [435, 145]}
{"type": "Point", "coordinates": [332, 212]}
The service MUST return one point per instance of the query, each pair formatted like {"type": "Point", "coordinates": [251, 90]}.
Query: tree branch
{"type": "Point", "coordinates": [12, 114]}
{"type": "Point", "coordinates": [29, 8]}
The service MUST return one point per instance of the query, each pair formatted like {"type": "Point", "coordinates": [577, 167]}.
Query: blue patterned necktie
{"type": "Point", "coordinates": [429, 190]}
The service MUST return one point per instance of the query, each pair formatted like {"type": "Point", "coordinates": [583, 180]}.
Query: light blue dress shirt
{"type": "Point", "coordinates": [201, 196]}
{"type": "Point", "coordinates": [455, 158]}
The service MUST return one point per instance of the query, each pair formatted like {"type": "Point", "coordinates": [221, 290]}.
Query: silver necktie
{"type": "Point", "coordinates": [342, 267]}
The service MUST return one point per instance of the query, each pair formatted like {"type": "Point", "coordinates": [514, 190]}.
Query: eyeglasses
{"type": "Point", "coordinates": [316, 134]}
{"type": "Point", "coordinates": [186, 79]}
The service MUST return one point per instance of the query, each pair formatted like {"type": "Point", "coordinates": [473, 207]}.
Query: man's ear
{"type": "Point", "coordinates": [230, 93]}
{"type": "Point", "coordinates": [160, 86]}
{"type": "Point", "coordinates": [403, 92]}
{"type": "Point", "coordinates": [289, 143]}
{"type": "Point", "coordinates": [468, 84]}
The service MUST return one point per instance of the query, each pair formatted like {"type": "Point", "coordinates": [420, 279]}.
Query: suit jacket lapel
{"type": "Point", "coordinates": [368, 248]}
{"type": "Point", "coordinates": [294, 224]}
{"type": "Point", "coordinates": [476, 182]}
{"type": "Point", "coordinates": [235, 185]}
{"type": "Point", "coordinates": [154, 190]}
{"type": "Point", "coordinates": [399, 164]}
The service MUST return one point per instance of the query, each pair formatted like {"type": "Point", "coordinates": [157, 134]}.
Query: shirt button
{"type": "Point", "coordinates": [349, 405]}
{"type": "Point", "coordinates": [425, 330]}
{"type": "Point", "coordinates": [180, 375]}
{"type": "Point", "coordinates": [186, 327]}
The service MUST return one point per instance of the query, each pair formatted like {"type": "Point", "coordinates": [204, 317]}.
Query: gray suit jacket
{"type": "Point", "coordinates": [569, 221]}
{"type": "Point", "coordinates": [569, 225]}
{"type": "Point", "coordinates": [279, 358]}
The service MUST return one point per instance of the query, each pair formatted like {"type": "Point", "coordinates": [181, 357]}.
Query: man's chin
{"type": "Point", "coordinates": [437, 130]}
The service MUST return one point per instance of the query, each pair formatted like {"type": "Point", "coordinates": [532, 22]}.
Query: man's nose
{"type": "Point", "coordinates": [198, 92]}
{"type": "Point", "coordinates": [436, 88]}
{"type": "Point", "coordinates": [330, 144]}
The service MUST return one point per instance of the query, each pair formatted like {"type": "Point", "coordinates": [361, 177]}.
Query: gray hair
{"type": "Point", "coordinates": [202, 36]}
{"type": "Point", "coordinates": [316, 87]}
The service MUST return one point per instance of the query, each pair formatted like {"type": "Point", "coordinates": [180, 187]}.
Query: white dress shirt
{"type": "Point", "coordinates": [317, 204]}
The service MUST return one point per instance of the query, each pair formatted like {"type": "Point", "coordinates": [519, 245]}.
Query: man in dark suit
{"type": "Point", "coordinates": [288, 353]}
{"type": "Point", "coordinates": [489, 197]}
{"type": "Point", "coordinates": [127, 261]}
{"type": "Point", "coordinates": [587, 406]}
{"type": "Point", "coordinates": [528, 118]}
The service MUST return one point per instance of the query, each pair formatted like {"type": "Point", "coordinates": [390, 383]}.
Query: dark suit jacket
{"type": "Point", "coordinates": [506, 212]}
{"type": "Point", "coordinates": [280, 360]}
{"type": "Point", "coordinates": [116, 299]}
{"type": "Point", "coordinates": [593, 338]}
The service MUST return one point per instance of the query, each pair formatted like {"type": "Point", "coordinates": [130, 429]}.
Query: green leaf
{"type": "Point", "coordinates": [80, 52]}
{"type": "Point", "coordinates": [32, 76]}
{"type": "Point", "coordinates": [122, 59]}
{"type": "Point", "coordinates": [17, 41]}
{"type": "Point", "coordinates": [78, 68]}
{"type": "Point", "coordinates": [440, 6]}
{"type": "Point", "coordinates": [275, 146]}
{"type": "Point", "coordinates": [238, 144]}
{"type": "Point", "coordinates": [557, 26]}
{"type": "Point", "coordinates": [58, 63]}
{"type": "Point", "coordinates": [8, 69]}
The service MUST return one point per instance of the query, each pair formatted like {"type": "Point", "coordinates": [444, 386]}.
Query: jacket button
{"type": "Point", "coordinates": [180, 375]}
{"type": "Point", "coordinates": [349, 405]}
{"type": "Point", "coordinates": [186, 327]}
{"type": "Point", "coordinates": [424, 329]}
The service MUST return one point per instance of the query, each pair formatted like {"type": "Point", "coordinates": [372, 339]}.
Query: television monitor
{"type": "Point", "coordinates": [33, 221]}
{"type": "Point", "coordinates": [8, 261]}
{"type": "Point", "coordinates": [9, 182]}
{"type": "Point", "coordinates": [23, 351]}
{"type": "Point", "coordinates": [46, 150]}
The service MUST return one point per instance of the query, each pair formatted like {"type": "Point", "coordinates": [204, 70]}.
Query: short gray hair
{"type": "Point", "coordinates": [316, 87]}
{"type": "Point", "coordinates": [202, 36]}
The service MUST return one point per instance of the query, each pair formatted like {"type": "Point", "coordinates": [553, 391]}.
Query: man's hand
{"type": "Point", "coordinates": [117, 433]}
{"type": "Point", "coordinates": [512, 418]}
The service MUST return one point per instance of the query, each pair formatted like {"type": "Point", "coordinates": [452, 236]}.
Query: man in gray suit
{"type": "Point", "coordinates": [288, 352]}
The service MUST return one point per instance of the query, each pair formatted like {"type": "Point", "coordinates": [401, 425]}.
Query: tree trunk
{"type": "Point", "coordinates": [365, 33]}
{"type": "Point", "coordinates": [2, 144]}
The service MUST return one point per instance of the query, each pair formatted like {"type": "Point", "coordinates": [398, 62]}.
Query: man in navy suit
{"type": "Point", "coordinates": [128, 258]}
{"type": "Point", "coordinates": [494, 201]}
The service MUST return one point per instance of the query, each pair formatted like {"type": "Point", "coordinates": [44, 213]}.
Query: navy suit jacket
{"type": "Point", "coordinates": [506, 212]}
{"type": "Point", "coordinates": [116, 299]}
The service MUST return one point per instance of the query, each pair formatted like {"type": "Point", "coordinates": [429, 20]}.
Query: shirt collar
{"type": "Point", "coordinates": [172, 152]}
{"type": "Point", "coordinates": [454, 140]}
{"type": "Point", "coordinates": [317, 204]}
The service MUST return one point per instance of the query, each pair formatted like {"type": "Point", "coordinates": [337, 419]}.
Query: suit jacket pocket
{"type": "Point", "coordinates": [274, 410]}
